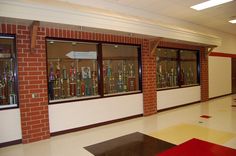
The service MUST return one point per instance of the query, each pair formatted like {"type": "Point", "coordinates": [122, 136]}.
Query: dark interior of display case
{"type": "Point", "coordinates": [82, 70]}
{"type": "Point", "coordinates": [8, 76]}
{"type": "Point", "coordinates": [177, 68]}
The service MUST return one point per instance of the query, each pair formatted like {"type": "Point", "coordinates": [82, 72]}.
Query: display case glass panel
{"type": "Point", "coordinates": [72, 70]}
{"type": "Point", "coordinates": [188, 66]}
{"type": "Point", "coordinates": [120, 69]}
{"type": "Point", "coordinates": [167, 66]}
{"type": "Point", "coordinates": [8, 72]}
{"type": "Point", "coordinates": [176, 68]}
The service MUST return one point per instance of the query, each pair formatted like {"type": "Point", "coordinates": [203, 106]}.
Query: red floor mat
{"type": "Point", "coordinates": [195, 147]}
{"type": "Point", "coordinates": [205, 116]}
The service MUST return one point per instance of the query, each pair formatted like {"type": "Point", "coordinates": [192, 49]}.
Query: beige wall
{"type": "Point", "coordinates": [228, 43]}
{"type": "Point", "coordinates": [219, 76]}
{"type": "Point", "coordinates": [178, 96]}
{"type": "Point", "coordinates": [219, 68]}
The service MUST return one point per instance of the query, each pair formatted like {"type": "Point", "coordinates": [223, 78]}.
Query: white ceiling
{"type": "Point", "coordinates": [214, 18]}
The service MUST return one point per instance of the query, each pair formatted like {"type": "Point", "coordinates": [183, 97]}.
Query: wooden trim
{"type": "Point", "coordinates": [220, 54]}
{"type": "Point", "coordinates": [94, 125]}
{"type": "Point", "coordinates": [138, 43]}
{"type": "Point", "coordinates": [174, 107]}
{"type": "Point", "coordinates": [93, 98]}
{"type": "Point", "coordinates": [33, 35]}
{"type": "Point", "coordinates": [153, 44]}
{"type": "Point", "coordinates": [14, 142]}
{"type": "Point", "coordinates": [209, 50]}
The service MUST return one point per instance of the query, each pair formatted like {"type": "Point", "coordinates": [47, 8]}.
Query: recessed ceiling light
{"type": "Point", "coordinates": [233, 20]}
{"type": "Point", "coordinates": [209, 4]}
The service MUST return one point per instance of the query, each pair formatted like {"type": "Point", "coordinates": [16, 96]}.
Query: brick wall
{"type": "Point", "coordinates": [32, 74]}
{"type": "Point", "coordinates": [204, 75]}
{"type": "Point", "coordinates": [148, 61]}
{"type": "Point", "coordinates": [149, 80]}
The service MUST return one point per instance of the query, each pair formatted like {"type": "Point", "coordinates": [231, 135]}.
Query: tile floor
{"type": "Point", "coordinates": [134, 144]}
{"type": "Point", "coordinates": [222, 123]}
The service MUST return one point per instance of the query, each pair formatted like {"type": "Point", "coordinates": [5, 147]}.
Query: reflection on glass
{"type": "Point", "coordinates": [176, 68]}
{"type": "Point", "coordinates": [188, 67]}
{"type": "Point", "coordinates": [166, 68]}
{"type": "Point", "coordinates": [120, 68]}
{"type": "Point", "coordinates": [72, 70]}
{"type": "Point", "coordinates": [8, 88]}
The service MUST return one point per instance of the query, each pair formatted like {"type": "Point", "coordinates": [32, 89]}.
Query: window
{"type": "Point", "coordinates": [83, 70]}
{"type": "Point", "coordinates": [8, 74]}
{"type": "Point", "coordinates": [72, 70]}
{"type": "Point", "coordinates": [120, 68]}
{"type": "Point", "coordinates": [176, 68]}
{"type": "Point", "coordinates": [167, 66]}
{"type": "Point", "coordinates": [188, 66]}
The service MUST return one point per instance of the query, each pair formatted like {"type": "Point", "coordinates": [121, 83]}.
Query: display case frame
{"type": "Point", "coordinates": [178, 60]}
{"type": "Point", "coordinates": [100, 74]}
{"type": "Point", "coordinates": [14, 73]}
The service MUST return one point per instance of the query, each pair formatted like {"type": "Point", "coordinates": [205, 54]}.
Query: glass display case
{"type": "Point", "coordinates": [167, 66]}
{"type": "Point", "coordinates": [82, 70]}
{"type": "Point", "coordinates": [8, 74]}
{"type": "Point", "coordinates": [120, 69]}
{"type": "Point", "coordinates": [176, 68]}
{"type": "Point", "coordinates": [188, 65]}
{"type": "Point", "coordinates": [72, 70]}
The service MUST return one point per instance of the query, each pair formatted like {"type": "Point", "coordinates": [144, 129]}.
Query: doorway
{"type": "Point", "coordinates": [234, 75]}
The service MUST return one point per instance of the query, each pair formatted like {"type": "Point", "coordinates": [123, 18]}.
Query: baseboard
{"type": "Point", "coordinates": [165, 109]}
{"type": "Point", "coordinates": [220, 96]}
{"type": "Point", "coordinates": [14, 142]}
{"type": "Point", "coordinates": [94, 125]}
{"type": "Point", "coordinates": [174, 107]}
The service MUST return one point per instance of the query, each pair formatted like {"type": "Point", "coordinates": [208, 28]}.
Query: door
{"type": "Point", "coordinates": [234, 75]}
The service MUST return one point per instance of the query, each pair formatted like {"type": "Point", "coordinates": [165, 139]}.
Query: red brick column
{"type": "Point", "coordinates": [149, 80]}
{"type": "Point", "coordinates": [204, 75]}
{"type": "Point", "coordinates": [31, 80]}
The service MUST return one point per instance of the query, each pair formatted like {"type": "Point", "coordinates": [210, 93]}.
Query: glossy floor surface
{"type": "Point", "coordinates": [177, 122]}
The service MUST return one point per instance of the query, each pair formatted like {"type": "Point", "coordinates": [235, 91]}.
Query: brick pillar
{"type": "Point", "coordinates": [32, 81]}
{"type": "Point", "coordinates": [148, 80]}
{"type": "Point", "coordinates": [204, 75]}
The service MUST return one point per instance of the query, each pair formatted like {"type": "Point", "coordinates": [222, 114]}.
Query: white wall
{"type": "Point", "coordinates": [10, 125]}
{"type": "Point", "coordinates": [176, 97]}
{"type": "Point", "coordinates": [82, 113]}
{"type": "Point", "coordinates": [219, 76]}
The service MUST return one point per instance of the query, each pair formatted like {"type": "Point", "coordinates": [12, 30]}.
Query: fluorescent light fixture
{"type": "Point", "coordinates": [233, 21]}
{"type": "Point", "coordinates": [209, 4]}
